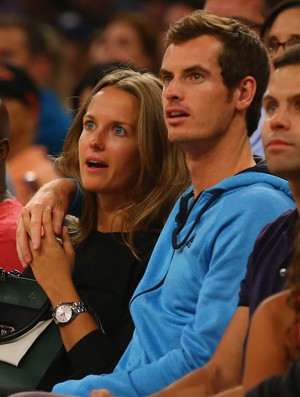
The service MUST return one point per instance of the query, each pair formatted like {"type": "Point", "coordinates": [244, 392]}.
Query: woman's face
{"type": "Point", "coordinates": [284, 31]}
{"type": "Point", "coordinates": [108, 147]}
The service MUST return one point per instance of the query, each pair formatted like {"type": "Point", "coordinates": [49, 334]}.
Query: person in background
{"type": "Point", "coordinates": [27, 163]}
{"type": "Point", "coordinates": [192, 260]}
{"type": "Point", "coordinates": [176, 10]}
{"type": "Point", "coordinates": [127, 37]}
{"type": "Point", "coordinates": [75, 31]}
{"type": "Point", "coordinates": [287, 26]}
{"type": "Point", "coordinates": [10, 208]}
{"type": "Point", "coordinates": [282, 28]}
{"type": "Point", "coordinates": [173, 12]}
{"type": "Point", "coordinates": [269, 5]}
{"type": "Point", "coordinates": [36, 47]}
{"type": "Point", "coordinates": [275, 328]}
{"type": "Point", "coordinates": [249, 12]}
{"type": "Point", "coordinates": [88, 80]}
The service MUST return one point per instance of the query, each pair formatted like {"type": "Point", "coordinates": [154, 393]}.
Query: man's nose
{"type": "Point", "coordinates": [173, 90]}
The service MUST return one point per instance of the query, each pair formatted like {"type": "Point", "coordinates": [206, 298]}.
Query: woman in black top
{"type": "Point", "coordinates": [130, 176]}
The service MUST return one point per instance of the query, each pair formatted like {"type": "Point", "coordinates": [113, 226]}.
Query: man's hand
{"type": "Point", "coordinates": [101, 393]}
{"type": "Point", "coordinates": [55, 194]}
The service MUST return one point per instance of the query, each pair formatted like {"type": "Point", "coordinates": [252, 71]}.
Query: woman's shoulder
{"type": "Point", "coordinates": [275, 303]}
{"type": "Point", "coordinates": [276, 311]}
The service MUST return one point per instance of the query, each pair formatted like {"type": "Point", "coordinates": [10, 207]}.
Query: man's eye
{"type": "Point", "coordinates": [272, 45]}
{"type": "Point", "coordinates": [166, 79]}
{"type": "Point", "coordinates": [271, 107]}
{"type": "Point", "coordinates": [119, 130]}
{"type": "Point", "coordinates": [293, 40]}
{"type": "Point", "coordinates": [197, 76]}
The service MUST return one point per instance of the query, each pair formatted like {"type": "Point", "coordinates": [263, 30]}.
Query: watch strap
{"type": "Point", "coordinates": [78, 307]}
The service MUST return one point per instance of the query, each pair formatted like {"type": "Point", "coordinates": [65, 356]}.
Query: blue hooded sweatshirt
{"type": "Point", "coordinates": [188, 295]}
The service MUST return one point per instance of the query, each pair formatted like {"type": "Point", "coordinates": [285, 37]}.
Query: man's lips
{"type": "Point", "coordinates": [175, 114]}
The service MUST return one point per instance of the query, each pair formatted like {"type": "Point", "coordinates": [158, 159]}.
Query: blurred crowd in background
{"type": "Point", "coordinates": [82, 33]}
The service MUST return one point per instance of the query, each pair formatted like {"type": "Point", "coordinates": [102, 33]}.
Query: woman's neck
{"type": "Point", "coordinates": [110, 217]}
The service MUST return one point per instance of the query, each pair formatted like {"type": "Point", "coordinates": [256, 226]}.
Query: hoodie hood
{"type": "Point", "coordinates": [249, 177]}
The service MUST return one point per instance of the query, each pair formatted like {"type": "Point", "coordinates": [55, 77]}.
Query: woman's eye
{"type": "Point", "coordinates": [119, 130]}
{"type": "Point", "coordinates": [89, 125]}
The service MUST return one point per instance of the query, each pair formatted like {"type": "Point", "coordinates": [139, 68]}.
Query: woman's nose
{"type": "Point", "coordinates": [96, 142]}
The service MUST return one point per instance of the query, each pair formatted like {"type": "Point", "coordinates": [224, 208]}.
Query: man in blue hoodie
{"type": "Point", "coordinates": [268, 262]}
{"type": "Point", "coordinates": [215, 72]}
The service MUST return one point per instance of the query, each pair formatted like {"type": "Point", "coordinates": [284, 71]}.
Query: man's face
{"type": "Point", "coordinates": [281, 129]}
{"type": "Point", "coordinates": [285, 30]}
{"type": "Point", "coordinates": [248, 11]}
{"type": "Point", "coordinates": [197, 108]}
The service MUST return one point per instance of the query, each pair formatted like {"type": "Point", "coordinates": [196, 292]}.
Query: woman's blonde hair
{"type": "Point", "coordinates": [163, 174]}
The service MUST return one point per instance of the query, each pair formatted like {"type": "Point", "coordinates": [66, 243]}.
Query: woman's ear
{"type": "Point", "coordinates": [245, 93]}
{"type": "Point", "coordinates": [4, 150]}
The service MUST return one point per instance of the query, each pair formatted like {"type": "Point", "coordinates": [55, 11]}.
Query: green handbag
{"type": "Point", "coordinates": [23, 304]}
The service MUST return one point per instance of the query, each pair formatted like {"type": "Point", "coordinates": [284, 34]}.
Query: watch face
{"type": "Point", "coordinates": [63, 313]}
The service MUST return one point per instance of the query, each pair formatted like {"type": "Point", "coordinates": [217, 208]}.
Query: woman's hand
{"type": "Point", "coordinates": [55, 194]}
{"type": "Point", "coordinates": [52, 266]}
{"type": "Point", "coordinates": [53, 262]}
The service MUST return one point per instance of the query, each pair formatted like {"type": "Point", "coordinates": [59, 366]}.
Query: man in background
{"type": "Point", "coordinates": [27, 163]}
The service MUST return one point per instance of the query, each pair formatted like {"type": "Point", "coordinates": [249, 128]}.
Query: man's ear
{"type": "Point", "coordinates": [245, 93]}
{"type": "Point", "coordinates": [4, 150]}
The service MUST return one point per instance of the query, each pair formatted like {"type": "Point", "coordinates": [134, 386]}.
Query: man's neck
{"type": "Point", "coordinates": [210, 168]}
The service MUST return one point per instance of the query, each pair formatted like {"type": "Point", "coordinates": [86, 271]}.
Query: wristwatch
{"type": "Point", "coordinates": [65, 312]}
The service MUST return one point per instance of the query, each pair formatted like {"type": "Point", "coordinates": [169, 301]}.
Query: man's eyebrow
{"type": "Point", "coordinates": [193, 68]}
{"type": "Point", "coordinates": [196, 68]}
{"type": "Point", "coordinates": [294, 98]}
{"type": "Point", "coordinates": [291, 36]}
{"type": "Point", "coordinates": [164, 72]}
{"type": "Point", "coordinates": [267, 97]}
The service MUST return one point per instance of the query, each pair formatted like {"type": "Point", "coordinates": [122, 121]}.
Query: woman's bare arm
{"type": "Point", "coordinates": [267, 351]}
